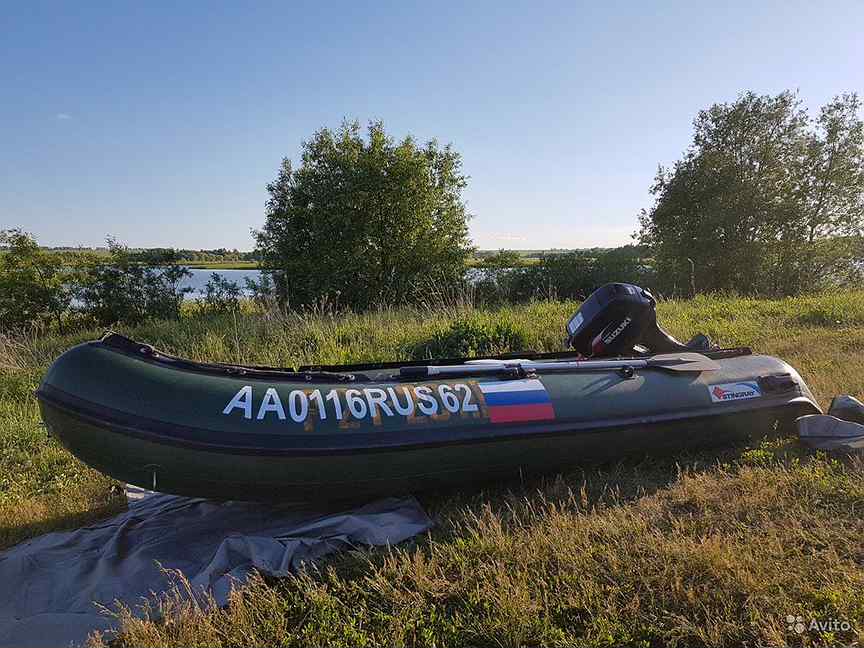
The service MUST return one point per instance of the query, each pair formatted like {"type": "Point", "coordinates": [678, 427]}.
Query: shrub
{"type": "Point", "coordinates": [576, 275]}
{"type": "Point", "coordinates": [467, 337]}
{"type": "Point", "coordinates": [116, 289]}
{"type": "Point", "coordinates": [221, 295]}
{"type": "Point", "coordinates": [262, 291]}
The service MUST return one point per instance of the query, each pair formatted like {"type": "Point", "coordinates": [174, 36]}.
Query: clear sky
{"type": "Point", "coordinates": [161, 122]}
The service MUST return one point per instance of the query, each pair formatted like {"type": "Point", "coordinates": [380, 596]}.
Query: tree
{"type": "Point", "coordinates": [765, 199]}
{"type": "Point", "coordinates": [34, 283]}
{"type": "Point", "coordinates": [365, 221]}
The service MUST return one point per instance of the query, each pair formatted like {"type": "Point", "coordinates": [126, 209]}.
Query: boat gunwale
{"type": "Point", "coordinates": [329, 374]}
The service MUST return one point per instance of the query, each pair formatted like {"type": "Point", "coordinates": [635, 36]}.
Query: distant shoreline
{"type": "Point", "coordinates": [220, 265]}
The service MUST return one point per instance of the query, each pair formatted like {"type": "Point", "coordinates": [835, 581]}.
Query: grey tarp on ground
{"type": "Point", "coordinates": [48, 584]}
{"type": "Point", "coordinates": [825, 432]}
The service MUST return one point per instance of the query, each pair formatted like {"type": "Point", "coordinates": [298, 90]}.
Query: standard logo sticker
{"type": "Point", "coordinates": [734, 391]}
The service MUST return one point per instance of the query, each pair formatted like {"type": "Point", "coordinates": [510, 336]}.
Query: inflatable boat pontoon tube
{"type": "Point", "coordinates": [328, 433]}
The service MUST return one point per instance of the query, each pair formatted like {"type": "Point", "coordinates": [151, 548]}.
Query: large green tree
{"type": "Point", "coordinates": [365, 221]}
{"type": "Point", "coordinates": [765, 200]}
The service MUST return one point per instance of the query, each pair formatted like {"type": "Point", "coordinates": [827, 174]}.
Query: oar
{"type": "Point", "coordinates": [683, 362]}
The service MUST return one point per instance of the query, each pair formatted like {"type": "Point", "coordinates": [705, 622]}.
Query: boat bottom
{"type": "Point", "coordinates": [335, 477]}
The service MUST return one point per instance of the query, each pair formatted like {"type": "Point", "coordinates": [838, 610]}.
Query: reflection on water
{"type": "Point", "coordinates": [200, 278]}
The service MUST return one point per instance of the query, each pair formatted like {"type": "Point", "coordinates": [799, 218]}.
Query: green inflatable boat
{"type": "Point", "coordinates": [328, 433]}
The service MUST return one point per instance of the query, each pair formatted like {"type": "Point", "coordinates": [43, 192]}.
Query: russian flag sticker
{"type": "Point", "coordinates": [515, 401]}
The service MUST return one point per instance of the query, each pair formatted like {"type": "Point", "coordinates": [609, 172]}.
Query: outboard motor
{"type": "Point", "coordinates": [620, 319]}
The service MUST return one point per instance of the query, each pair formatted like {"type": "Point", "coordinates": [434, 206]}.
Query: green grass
{"type": "Point", "coordinates": [698, 549]}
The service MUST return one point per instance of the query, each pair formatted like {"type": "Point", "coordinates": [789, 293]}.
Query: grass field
{"type": "Point", "coordinates": [701, 549]}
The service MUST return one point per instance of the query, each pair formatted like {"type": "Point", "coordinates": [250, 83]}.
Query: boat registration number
{"type": "Point", "coordinates": [497, 402]}
{"type": "Point", "coordinates": [299, 405]}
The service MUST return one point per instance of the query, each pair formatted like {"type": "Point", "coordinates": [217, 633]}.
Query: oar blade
{"type": "Point", "coordinates": [687, 361]}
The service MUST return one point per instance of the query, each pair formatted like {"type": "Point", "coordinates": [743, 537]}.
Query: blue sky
{"type": "Point", "coordinates": [161, 123]}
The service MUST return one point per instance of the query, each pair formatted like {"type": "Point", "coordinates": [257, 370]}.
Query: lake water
{"type": "Point", "coordinates": [200, 278]}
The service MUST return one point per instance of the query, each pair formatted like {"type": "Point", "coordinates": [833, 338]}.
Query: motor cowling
{"type": "Point", "coordinates": [621, 319]}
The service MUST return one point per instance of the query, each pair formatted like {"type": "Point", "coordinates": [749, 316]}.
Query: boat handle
{"type": "Point", "coordinates": [776, 383]}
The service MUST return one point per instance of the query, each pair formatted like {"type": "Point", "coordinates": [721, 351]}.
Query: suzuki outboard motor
{"type": "Point", "coordinates": [621, 320]}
